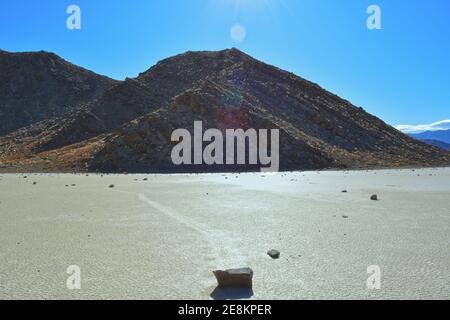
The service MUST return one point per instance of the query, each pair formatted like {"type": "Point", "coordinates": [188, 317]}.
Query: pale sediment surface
{"type": "Point", "coordinates": [162, 238]}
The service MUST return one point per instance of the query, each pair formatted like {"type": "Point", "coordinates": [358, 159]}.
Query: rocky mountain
{"type": "Point", "coordinates": [36, 86]}
{"type": "Point", "coordinates": [437, 138]}
{"type": "Point", "coordinates": [128, 127]}
{"type": "Point", "coordinates": [135, 97]}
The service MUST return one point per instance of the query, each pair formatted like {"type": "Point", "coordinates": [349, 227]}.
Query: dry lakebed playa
{"type": "Point", "coordinates": [161, 236]}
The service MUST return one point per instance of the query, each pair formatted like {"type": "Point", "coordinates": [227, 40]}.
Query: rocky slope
{"type": "Point", "coordinates": [129, 126]}
{"type": "Point", "coordinates": [35, 86]}
{"type": "Point", "coordinates": [135, 97]}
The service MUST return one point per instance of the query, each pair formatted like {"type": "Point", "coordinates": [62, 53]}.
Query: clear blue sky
{"type": "Point", "coordinates": [400, 73]}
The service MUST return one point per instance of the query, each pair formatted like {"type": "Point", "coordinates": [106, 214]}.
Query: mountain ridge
{"type": "Point", "coordinates": [437, 143]}
{"type": "Point", "coordinates": [122, 128]}
{"type": "Point", "coordinates": [37, 86]}
{"type": "Point", "coordinates": [438, 135]}
{"type": "Point", "coordinates": [437, 138]}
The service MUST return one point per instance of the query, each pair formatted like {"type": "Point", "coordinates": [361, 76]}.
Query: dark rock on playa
{"type": "Point", "coordinates": [234, 278]}
{"type": "Point", "coordinates": [274, 254]}
{"type": "Point", "coordinates": [374, 197]}
{"type": "Point", "coordinates": [111, 186]}
{"type": "Point", "coordinates": [344, 191]}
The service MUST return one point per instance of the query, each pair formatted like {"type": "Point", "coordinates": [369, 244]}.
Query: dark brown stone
{"type": "Point", "coordinates": [234, 278]}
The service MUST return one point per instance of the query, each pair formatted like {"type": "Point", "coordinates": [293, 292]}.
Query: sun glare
{"type": "Point", "coordinates": [240, 6]}
{"type": "Point", "coordinates": [238, 31]}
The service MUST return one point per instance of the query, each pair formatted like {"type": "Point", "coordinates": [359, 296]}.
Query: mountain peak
{"type": "Point", "coordinates": [198, 64]}
{"type": "Point", "coordinates": [41, 85]}
{"type": "Point", "coordinates": [234, 51]}
{"type": "Point", "coordinates": [30, 53]}
{"type": "Point", "coordinates": [126, 126]}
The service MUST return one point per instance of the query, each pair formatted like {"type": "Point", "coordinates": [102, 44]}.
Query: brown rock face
{"type": "Point", "coordinates": [128, 127]}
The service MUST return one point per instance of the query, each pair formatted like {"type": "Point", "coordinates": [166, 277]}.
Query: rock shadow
{"type": "Point", "coordinates": [231, 293]}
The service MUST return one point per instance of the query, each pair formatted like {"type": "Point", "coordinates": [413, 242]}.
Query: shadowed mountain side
{"type": "Point", "coordinates": [36, 86]}
{"type": "Point", "coordinates": [129, 126]}
{"type": "Point", "coordinates": [136, 97]}
{"type": "Point", "coordinates": [145, 145]}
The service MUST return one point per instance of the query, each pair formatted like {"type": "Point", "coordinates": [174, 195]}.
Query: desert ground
{"type": "Point", "coordinates": [161, 236]}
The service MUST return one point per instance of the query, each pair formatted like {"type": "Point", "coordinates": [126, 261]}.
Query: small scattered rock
{"type": "Point", "coordinates": [234, 278]}
{"type": "Point", "coordinates": [34, 182]}
{"type": "Point", "coordinates": [374, 197]}
{"type": "Point", "coordinates": [345, 217]}
{"type": "Point", "coordinates": [344, 191]}
{"type": "Point", "coordinates": [145, 179]}
{"type": "Point", "coordinates": [274, 254]}
{"type": "Point", "coordinates": [111, 186]}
